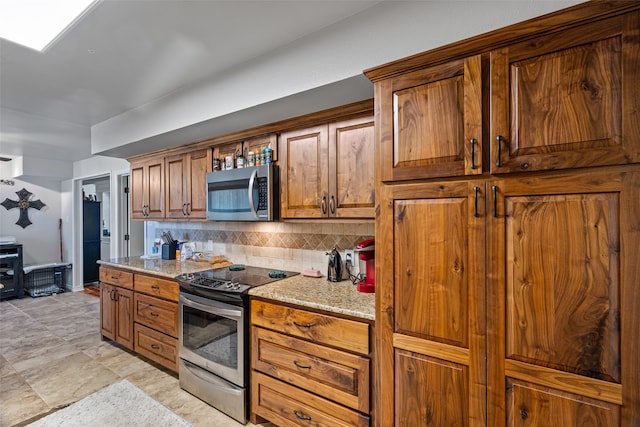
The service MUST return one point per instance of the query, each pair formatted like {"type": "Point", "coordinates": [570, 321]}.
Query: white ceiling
{"type": "Point", "coordinates": [128, 53]}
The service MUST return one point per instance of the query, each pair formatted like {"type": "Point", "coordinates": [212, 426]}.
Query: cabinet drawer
{"type": "Point", "coordinates": [286, 405]}
{"type": "Point", "coordinates": [155, 313]}
{"type": "Point", "coordinates": [156, 286]}
{"type": "Point", "coordinates": [156, 346]}
{"type": "Point", "coordinates": [340, 376]}
{"type": "Point", "coordinates": [116, 277]}
{"type": "Point", "coordinates": [342, 333]}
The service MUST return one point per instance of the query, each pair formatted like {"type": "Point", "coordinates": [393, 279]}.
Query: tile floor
{"type": "Point", "coordinates": [51, 354]}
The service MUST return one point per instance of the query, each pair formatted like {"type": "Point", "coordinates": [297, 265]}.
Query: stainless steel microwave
{"type": "Point", "coordinates": [244, 194]}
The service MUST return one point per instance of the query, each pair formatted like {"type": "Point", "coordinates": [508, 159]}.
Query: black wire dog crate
{"type": "Point", "coordinates": [45, 280]}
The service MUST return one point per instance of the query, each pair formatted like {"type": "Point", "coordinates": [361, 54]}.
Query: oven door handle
{"type": "Point", "coordinates": [252, 182]}
{"type": "Point", "coordinates": [210, 309]}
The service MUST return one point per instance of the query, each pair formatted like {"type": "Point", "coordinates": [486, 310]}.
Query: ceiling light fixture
{"type": "Point", "coordinates": [38, 24]}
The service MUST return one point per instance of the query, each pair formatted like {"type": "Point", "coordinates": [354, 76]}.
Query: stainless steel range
{"type": "Point", "coordinates": [214, 334]}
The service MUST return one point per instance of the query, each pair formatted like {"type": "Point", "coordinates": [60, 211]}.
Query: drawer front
{"type": "Point", "coordinates": [116, 277]}
{"type": "Point", "coordinates": [156, 286]}
{"type": "Point", "coordinates": [156, 346]}
{"type": "Point", "coordinates": [342, 333]}
{"type": "Point", "coordinates": [286, 405]}
{"type": "Point", "coordinates": [157, 314]}
{"type": "Point", "coordinates": [339, 376]}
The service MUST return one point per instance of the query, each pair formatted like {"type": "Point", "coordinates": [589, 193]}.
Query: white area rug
{"type": "Point", "coordinates": [120, 404]}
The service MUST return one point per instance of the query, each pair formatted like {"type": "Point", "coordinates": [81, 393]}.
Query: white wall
{"type": "Point", "coordinates": [41, 239]}
{"type": "Point", "coordinates": [388, 31]}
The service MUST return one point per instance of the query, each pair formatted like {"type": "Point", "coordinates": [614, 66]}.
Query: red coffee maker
{"type": "Point", "coordinates": [366, 252]}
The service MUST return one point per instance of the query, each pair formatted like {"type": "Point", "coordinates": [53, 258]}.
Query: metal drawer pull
{"type": "Point", "coordinates": [153, 314]}
{"type": "Point", "coordinates": [332, 205]}
{"type": "Point", "coordinates": [114, 277]}
{"type": "Point", "coordinates": [300, 325]}
{"type": "Point", "coordinates": [323, 205]}
{"type": "Point", "coordinates": [155, 346]}
{"type": "Point", "coordinates": [301, 416]}
{"type": "Point", "coordinates": [499, 138]}
{"type": "Point", "coordinates": [495, 201]}
{"type": "Point", "coordinates": [155, 287]}
{"type": "Point", "coordinates": [475, 201]}
{"type": "Point", "coordinates": [295, 362]}
{"type": "Point", "coordinates": [473, 142]}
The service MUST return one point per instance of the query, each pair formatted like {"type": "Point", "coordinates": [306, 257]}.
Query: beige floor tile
{"type": "Point", "coordinates": [63, 382]}
{"type": "Point", "coordinates": [19, 402]}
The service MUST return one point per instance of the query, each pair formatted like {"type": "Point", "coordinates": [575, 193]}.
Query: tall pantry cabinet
{"type": "Point", "coordinates": [508, 225]}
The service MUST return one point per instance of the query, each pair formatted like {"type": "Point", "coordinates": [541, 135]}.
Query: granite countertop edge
{"type": "Point", "coordinates": [156, 266]}
{"type": "Point", "coordinates": [317, 293]}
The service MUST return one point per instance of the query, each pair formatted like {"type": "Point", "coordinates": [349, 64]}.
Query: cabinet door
{"type": "Point", "coordinates": [138, 193]}
{"type": "Point", "coordinates": [568, 100]}
{"type": "Point", "coordinates": [107, 311]}
{"type": "Point", "coordinates": [431, 122]}
{"type": "Point", "coordinates": [155, 191]}
{"type": "Point", "coordinates": [124, 316]}
{"type": "Point", "coordinates": [352, 169]}
{"type": "Point", "coordinates": [177, 171]}
{"type": "Point", "coordinates": [147, 189]}
{"type": "Point", "coordinates": [562, 303]}
{"type": "Point", "coordinates": [199, 164]}
{"type": "Point", "coordinates": [304, 173]}
{"type": "Point", "coordinates": [430, 327]}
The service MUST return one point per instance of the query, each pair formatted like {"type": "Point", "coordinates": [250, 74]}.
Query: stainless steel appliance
{"type": "Point", "coordinates": [244, 194]}
{"type": "Point", "coordinates": [214, 334]}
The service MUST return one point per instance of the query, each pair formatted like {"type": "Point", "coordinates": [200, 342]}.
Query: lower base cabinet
{"type": "Point", "coordinates": [156, 346]}
{"type": "Point", "coordinates": [141, 314]}
{"type": "Point", "coordinates": [309, 368]}
{"type": "Point", "coordinates": [285, 405]}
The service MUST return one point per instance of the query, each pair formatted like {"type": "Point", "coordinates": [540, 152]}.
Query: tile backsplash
{"type": "Point", "coordinates": [289, 246]}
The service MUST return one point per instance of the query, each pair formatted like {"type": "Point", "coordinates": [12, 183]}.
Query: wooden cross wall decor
{"type": "Point", "coordinates": [24, 202]}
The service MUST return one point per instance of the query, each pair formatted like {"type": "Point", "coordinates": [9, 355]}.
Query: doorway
{"type": "Point", "coordinates": [96, 226]}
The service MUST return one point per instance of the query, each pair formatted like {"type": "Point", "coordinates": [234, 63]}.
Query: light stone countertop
{"type": "Point", "coordinates": [311, 292]}
{"type": "Point", "coordinates": [169, 268]}
{"type": "Point", "coordinates": [318, 293]}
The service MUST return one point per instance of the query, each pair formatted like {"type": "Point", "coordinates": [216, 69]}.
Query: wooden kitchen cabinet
{"type": "Point", "coordinates": [568, 100]}
{"type": "Point", "coordinates": [186, 184]}
{"type": "Point", "coordinates": [433, 289]}
{"type": "Point", "coordinates": [308, 367]}
{"type": "Point", "coordinates": [147, 188]}
{"type": "Point", "coordinates": [116, 306]}
{"type": "Point", "coordinates": [431, 122]}
{"type": "Point", "coordinates": [155, 313]}
{"type": "Point", "coordinates": [507, 298]}
{"type": "Point", "coordinates": [563, 257]}
{"type": "Point", "coordinates": [140, 312]}
{"type": "Point", "coordinates": [327, 171]}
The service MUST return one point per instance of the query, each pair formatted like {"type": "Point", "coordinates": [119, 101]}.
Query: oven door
{"type": "Point", "coordinates": [212, 336]}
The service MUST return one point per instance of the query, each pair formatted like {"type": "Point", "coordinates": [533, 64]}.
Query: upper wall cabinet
{"type": "Point", "coordinates": [147, 188]}
{"type": "Point", "coordinates": [186, 186]}
{"type": "Point", "coordinates": [171, 186]}
{"type": "Point", "coordinates": [431, 122]}
{"type": "Point", "coordinates": [327, 171]}
{"type": "Point", "coordinates": [567, 101]}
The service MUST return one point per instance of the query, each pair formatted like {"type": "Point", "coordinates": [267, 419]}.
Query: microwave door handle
{"type": "Point", "coordinates": [252, 182]}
